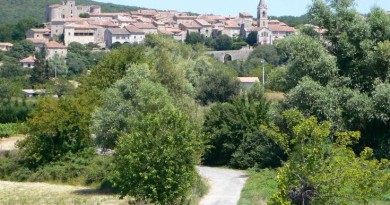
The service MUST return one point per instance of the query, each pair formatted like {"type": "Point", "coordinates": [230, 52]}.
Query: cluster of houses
{"type": "Point", "coordinates": [87, 24]}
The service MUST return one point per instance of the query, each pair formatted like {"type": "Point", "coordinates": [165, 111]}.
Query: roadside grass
{"type": "Point", "coordinates": [259, 187]}
{"type": "Point", "coordinates": [43, 193]}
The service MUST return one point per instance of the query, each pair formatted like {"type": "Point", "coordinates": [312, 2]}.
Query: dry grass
{"type": "Point", "coordinates": [275, 96]}
{"type": "Point", "coordinates": [14, 193]}
{"type": "Point", "coordinates": [8, 144]}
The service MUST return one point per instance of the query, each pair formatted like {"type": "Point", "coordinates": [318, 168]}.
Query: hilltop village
{"type": "Point", "coordinates": [69, 22]}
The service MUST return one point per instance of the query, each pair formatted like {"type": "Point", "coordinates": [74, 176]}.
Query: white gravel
{"type": "Point", "coordinates": [225, 185]}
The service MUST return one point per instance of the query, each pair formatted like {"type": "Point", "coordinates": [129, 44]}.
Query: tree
{"type": "Point", "coordinates": [41, 72]}
{"type": "Point", "coordinates": [223, 42]}
{"type": "Point", "coordinates": [127, 101]}
{"type": "Point", "coordinates": [20, 29]}
{"type": "Point", "coordinates": [352, 39]}
{"type": "Point", "coordinates": [306, 56]}
{"type": "Point", "coordinates": [217, 86]}
{"type": "Point", "coordinates": [57, 66]}
{"type": "Point", "coordinates": [194, 38]}
{"type": "Point", "coordinates": [22, 49]}
{"type": "Point", "coordinates": [233, 135]}
{"type": "Point", "coordinates": [252, 38]}
{"type": "Point", "coordinates": [156, 161]}
{"type": "Point", "coordinates": [322, 168]}
{"type": "Point", "coordinates": [84, 15]}
{"type": "Point", "coordinates": [56, 128]}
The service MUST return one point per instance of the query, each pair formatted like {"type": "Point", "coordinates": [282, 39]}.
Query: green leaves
{"type": "Point", "coordinates": [157, 160]}
{"type": "Point", "coordinates": [323, 169]}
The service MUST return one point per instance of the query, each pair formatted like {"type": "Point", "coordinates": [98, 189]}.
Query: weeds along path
{"type": "Point", "coordinates": [225, 185]}
{"type": "Point", "coordinates": [43, 193]}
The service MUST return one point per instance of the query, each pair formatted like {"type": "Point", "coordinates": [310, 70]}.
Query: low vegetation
{"type": "Point", "coordinates": [259, 188]}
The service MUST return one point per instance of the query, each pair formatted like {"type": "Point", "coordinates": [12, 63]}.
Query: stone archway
{"type": "Point", "coordinates": [227, 58]}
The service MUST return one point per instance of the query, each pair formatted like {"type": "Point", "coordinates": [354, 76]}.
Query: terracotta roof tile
{"type": "Point", "coordinates": [30, 59]}
{"type": "Point", "coordinates": [54, 44]}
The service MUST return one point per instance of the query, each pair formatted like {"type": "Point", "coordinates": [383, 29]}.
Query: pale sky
{"type": "Point", "coordinates": [233, 7]}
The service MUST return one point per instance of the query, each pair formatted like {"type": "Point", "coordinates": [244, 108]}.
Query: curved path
{"type": "Point", "coordinates": [225, 185]}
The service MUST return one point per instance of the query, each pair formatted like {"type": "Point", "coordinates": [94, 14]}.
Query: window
{"type": "Point", "coordinates": [69, 34]}
{"type": "Point", "coordinates": [117, 37]}
{"type": "Point", "coordinates": [263, 23]}
{"type": "Point", "coordinates": [123, 37]}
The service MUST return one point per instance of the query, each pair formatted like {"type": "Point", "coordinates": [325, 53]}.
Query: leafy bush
{"type": "Point", "coordinates": [86, 168]}
{"type": "Point", "coordinates": [8, 129]}
{"type": "Point", "coordinates": [14, 111]}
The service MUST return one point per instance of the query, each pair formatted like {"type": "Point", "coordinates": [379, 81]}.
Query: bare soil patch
{"type": "Point", "coordinates": [9, 143]}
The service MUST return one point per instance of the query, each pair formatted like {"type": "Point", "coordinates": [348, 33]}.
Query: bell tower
{"type": "Point", "coordinates": [262, 14]}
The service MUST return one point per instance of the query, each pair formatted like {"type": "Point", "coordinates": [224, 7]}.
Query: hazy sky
{"type": "Point", "coordinates": [233, 7]}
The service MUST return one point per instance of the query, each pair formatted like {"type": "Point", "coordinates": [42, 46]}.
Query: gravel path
{"type": "Point", "coordinates": [225, 185]}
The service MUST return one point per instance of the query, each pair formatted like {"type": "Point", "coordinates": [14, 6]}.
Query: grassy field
{"type": "Point", "coordinates": [259, 188]}
{"type": "Point", "coordinates": [43, 193]}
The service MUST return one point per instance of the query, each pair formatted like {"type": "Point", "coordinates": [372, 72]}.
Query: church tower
{"type": "Point", "coordinates": [262, 14]}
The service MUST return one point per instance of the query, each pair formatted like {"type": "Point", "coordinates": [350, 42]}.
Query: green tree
{"type": "Point", "coordinates": [156, 162]}
{"type": "Point", "coordinates": [223, 42]}
{"type": "Point", "coordinates": [217, 86]}
{"type": "Point", "coordinates": [20, 29]}
{"type": "Point", "coordinates": [57, 67]}
{"type": "Point", "coordinates": [322, 168]}
{"type": "Point", "coordinates": [232, 133]}
{"type": "Point", "coordinates": [252, 38]}
{"type": "Point", "coordinates": [194, 38]}
{"type": "Point", "coordinates": [57, 127]}
{"type": "Point", "coordinates": [22, 49]}
{"type": "Point", "coordinates": [306, 56]}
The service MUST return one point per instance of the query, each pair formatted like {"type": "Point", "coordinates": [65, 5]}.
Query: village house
{"type": "Point", "coordinates": [129, 34]}
{"type": "Point", "coordinates": [38, 33]}
{"type": "Point", "coordinates": [5, 46]}
{"type": "Point", "coordinates": [248, 82]}
{"type": "Point", "coordinates": [175, 32]}
{"type": "Point", "coordinates": [39, 43]}
{"type": "Point", "coordinates": [84, 33]}
{"type": "Point", "coordinates": [145, 13]}
{"type": "Point", "coordinates": [28, 62]}
{"type": "Point", "coordinates": [147, 28]}
{"type": "Point", "coordinates": [53, 48]}
{"type": "Point", "coordinates": [183, 19]}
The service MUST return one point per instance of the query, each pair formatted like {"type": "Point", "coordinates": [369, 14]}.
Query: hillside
{"type": "Point", "coordinates": [11, 11]}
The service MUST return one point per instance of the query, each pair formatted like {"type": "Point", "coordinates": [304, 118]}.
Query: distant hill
{"type": "Point", "coordinates": [293, 20]}
{"type": "Point", "coordinates": [11, 11]}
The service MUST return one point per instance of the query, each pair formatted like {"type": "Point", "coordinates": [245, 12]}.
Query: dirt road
{"type": "Point", "coordinates": [225, 185]}
{"type": "Point", "coordinates": [7, 144]}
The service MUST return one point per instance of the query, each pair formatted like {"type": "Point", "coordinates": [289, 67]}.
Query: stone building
{"type": "Point", "coordinates": [267, 30]}
{"type": "Point", "coordinates": [6, 46]}
{"type": "Point", "coordinates": [69, 9]}
{"type": "Point", "coordinates": [38, 33]}
{"type": "Point", "coordinates": [84, 33]}
{"type": "Point", "coordinates": [28, 62]}
{"type": "Point", "coordinates": [129, 34]}
{"type": "Point", "coordinates": [53, 48]}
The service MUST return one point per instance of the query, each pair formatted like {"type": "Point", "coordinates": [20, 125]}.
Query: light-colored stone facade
{"type": "Point", "coordinates": [53, 48]}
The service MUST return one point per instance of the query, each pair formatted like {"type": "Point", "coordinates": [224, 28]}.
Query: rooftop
{"type": "Point", "coordinates": [134, 30]}
{"type": "Point", "coordinates": [248, 79]}
{"type": "Point", "coordinates": [118, 31]}
{"type": "Point", "coordinates": [30, 59]}
{"type": "Point", "coordinates": [54, 44]}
